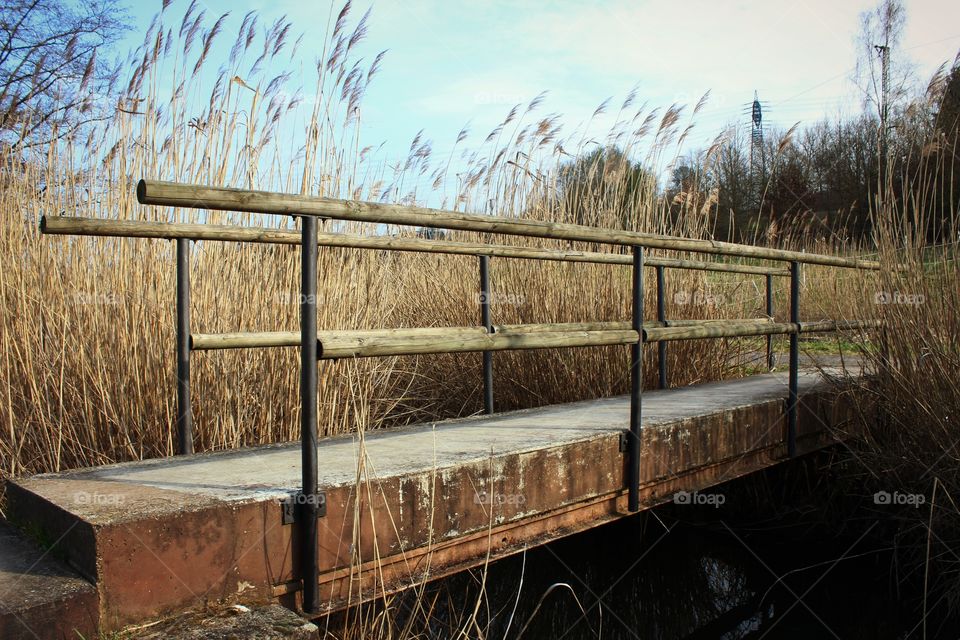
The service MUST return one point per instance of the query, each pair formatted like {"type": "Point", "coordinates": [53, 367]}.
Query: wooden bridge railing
{"type": "Point", "coordinates": [486, 338]}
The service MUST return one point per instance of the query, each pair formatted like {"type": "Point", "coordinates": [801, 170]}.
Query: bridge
{"type": "Point", "coordinates": [327, 523]}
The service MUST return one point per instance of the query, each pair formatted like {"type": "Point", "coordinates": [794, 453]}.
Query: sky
{"type": "Point", "coordinates": [450, 63]}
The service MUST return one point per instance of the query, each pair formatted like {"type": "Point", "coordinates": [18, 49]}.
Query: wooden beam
{"type": "Point", "coordinates": [515, 329]}
{"type": "Point", "coordinates": [357, 341]}
{"type": "Point", "coordinates": [65, 225]}
{"type": "Point", "coordinates": [226, 199]}
{"type": "Point", "coordinates": [258, 339]}
{"type": "Point", "coordinates": [345, 346]}
{"type": "Point", "coordinates": [821, 326]}
{"type": "Point", "coordinates": [717, 330]}
{"type": "Point", "coordinates": [348, 344]}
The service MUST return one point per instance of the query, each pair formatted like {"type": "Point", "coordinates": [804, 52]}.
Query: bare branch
{"type": "Point", "coordinates": [51, 63]}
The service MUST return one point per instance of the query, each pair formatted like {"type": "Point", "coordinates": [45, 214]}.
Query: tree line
{"type": "Point", "coordinates": [830, 178]}
{"type": "Point", "coordinates": [825, 181]}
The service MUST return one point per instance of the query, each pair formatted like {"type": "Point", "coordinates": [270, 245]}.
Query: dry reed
{"type": "Point", "coordinates": [86, 325]}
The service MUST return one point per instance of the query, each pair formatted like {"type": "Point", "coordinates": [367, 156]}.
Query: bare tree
{"type": "Point", "coordinates": [51, 76]}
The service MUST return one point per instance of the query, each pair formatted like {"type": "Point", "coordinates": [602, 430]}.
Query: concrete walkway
{"type": "Point", "coordinates": [274, 471]}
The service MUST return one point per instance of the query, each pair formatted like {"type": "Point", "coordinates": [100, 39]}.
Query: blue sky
{"type": "Point", "coordinates": [453, 62]}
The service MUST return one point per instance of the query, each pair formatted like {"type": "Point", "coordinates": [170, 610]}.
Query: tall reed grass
{"type": "Point", "coordinates": [86, 325]}
{"type": "Point", "coordinates": [913, 447]}
{"type": "Point", "coordinates": [87, 375]}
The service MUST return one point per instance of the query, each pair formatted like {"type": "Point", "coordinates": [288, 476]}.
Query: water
{"type": "Point", "coordinates": [641, 578]}
{"type": "Point", "coordinates": [682, 572]}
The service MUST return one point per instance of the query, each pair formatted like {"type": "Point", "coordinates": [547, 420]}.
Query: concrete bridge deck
{"type": "Point", "coordinates": [401, 504]}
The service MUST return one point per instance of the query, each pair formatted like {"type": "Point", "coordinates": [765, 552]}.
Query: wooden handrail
{"type": "Point", "coordinates": [825, 326]}
{"type": "Point", "coordinates": [600, 326]}
{"type": "Point", "coordinates": [664, 334]}
{"type": "Point", "coordinates": [76, 226]}
{"type": "Point", "coordinates": [752, 328]}
{"type": "Point", "coordinates": [226, 199]}
{"type": "Point", "coordinates": [358, 337]}
{"type": "Point", "coordinates": [424, 340]}
{"type": "Point", "coordinates": [259, 339]}
{"type": "Point", "coordinates": [345, 346]}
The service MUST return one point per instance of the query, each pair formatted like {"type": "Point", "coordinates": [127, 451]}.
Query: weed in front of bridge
{"type": "Point", "coordinates": [905, 469]}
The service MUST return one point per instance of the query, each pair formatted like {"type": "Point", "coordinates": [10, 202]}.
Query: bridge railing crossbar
{"type": "Point", "coordinates": [486, 338]}
{"type": "Point", "coordinates": [67, 225]}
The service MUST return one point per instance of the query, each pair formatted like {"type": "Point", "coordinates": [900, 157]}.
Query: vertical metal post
{"type": "Point", "coordinates": [770, 362]}
{"type": "Point", "coordinates": [662, 318]}
{"type": "Point", "coordinates": [792, 402]}
{"type": "Point", "coordinates": [636, 385]}
{"type": "Point", "coordinates": [309, 498]}
{"type": "Point", "coordinates": [184, 411]}
{"type": "Point", "coordinates": [485, 321]}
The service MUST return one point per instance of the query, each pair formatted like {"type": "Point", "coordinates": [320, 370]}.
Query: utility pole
{"type": "Point", "coordinates": [883, 50]}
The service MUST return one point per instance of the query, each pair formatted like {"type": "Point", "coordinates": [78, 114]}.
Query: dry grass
{"type": "Point", "coordinates": [87, 375]}
{"type": "Point", "coordinates": [86, 325]}
{"type": "Point", "coordinates": [913, 447]}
